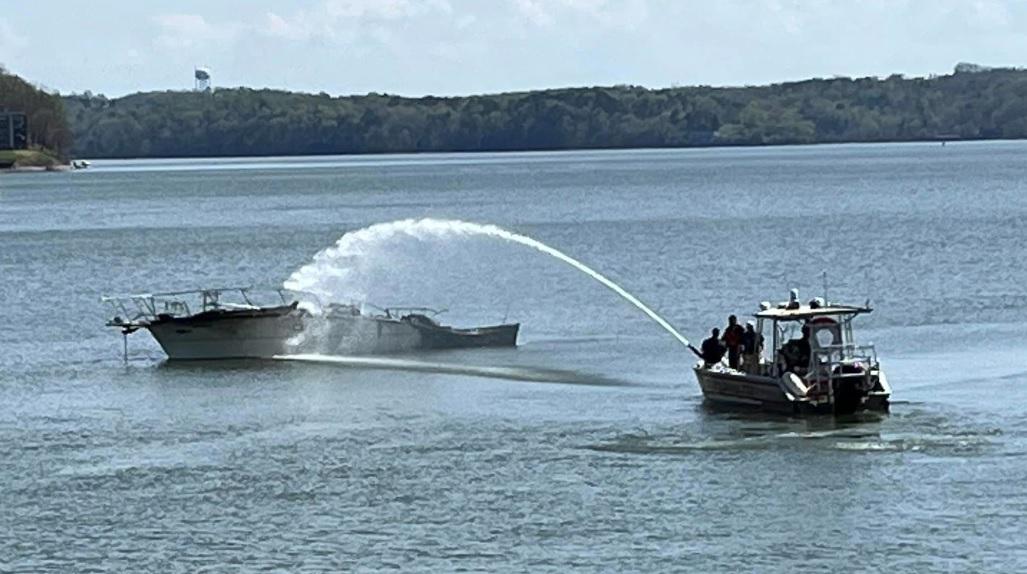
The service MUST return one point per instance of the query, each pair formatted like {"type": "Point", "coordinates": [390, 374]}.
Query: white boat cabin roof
{"type": "Point", "coordinates": [806, 312]}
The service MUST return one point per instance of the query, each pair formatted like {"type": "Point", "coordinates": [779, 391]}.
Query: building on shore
{"type": "Point", "coordinates": [14, 130]}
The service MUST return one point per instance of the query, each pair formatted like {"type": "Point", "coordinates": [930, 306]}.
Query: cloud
{"type": "Point", "coordinates": [626, 14]}
{"type": "Point", "coordinates": [991, 14]}
{"type": "Point", "coordinates": [535, 12]}
{"type": "Point", "coordinates": [10, 41]}
{"type": "Point", "coordinates": [186, 31]}
{"type": "Point", "coordinates": [279, 27]}
{"type": "Point", "coordinates": [347, 19]}
{"type": "Point", "coordinates": [384, 9]}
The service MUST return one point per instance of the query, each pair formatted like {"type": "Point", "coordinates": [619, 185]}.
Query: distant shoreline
{"type": "Point", "coordinates": [245, 122]}
{"type": "Point", "coordinates": [938, 142]}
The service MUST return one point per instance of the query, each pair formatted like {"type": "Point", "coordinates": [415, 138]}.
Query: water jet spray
{"type": "Point", "coordinates": [327, 262]}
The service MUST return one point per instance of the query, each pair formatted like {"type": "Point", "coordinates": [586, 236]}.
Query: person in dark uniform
{"type": "Point", "coordinates": [796, 352]}
{"type": "Point", "coordinates": [804, 348]}
{"type": "Point", "coordinates": [733, 341]}
{"type": "Point", "coordinates": [712, 349]}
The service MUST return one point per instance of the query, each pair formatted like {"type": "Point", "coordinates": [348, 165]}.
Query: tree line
{"type": "Point", "coordinates": [47, 123]}
{"type": "Point", "coordinates": [971, 103]}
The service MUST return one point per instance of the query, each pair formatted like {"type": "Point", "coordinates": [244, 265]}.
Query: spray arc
{"type": "Point", "coordinates": [331, 262]}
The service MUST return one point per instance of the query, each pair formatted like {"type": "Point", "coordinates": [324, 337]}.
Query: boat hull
{"type": "Point", "coordinates": [209, 336]}
{"type": "Point", "coordinates": [726, 388]}
{"type": "Point", "coordinates": [435, 336]}
{"type": "Point", "coordinates": [362, 335]}
{"type": "Point", "coordinates": [741, 390]}
{"type": "Point", "coordinates": [267, 332]}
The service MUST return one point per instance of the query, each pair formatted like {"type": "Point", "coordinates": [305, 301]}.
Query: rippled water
{"type": "Point", "coordinates": [585, 449]}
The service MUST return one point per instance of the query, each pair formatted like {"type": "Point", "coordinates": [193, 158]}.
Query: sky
{"type": "Point", "coordinates": [458, 47]}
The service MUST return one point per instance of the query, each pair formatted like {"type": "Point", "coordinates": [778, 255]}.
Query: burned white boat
{"type": "Point", "coordinates": [242, 323]}
{"type": "Point", "coordinates": [813, 364]}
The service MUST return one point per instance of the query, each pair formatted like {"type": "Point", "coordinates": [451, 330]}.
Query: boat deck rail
{"type": "Point", "coordinates": [401, 311]}
{"type": "Point", "coordinates": [135, 310]}
{"type": "Point", "coordinates": [834, 362]}
{"type": "Point", "coordinates": [846, 353]}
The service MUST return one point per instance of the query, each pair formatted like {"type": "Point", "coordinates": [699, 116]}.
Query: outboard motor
{"type": "Point", "coordinates": [848, 397]}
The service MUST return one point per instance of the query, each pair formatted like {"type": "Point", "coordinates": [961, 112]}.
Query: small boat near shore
{"type": "Point", "coordinates": [241, 323]}
{"type": "Point", "coordinates": [813, 366]}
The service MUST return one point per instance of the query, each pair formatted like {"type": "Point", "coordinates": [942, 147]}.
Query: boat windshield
{"type": "Point", "coordinates": [817, 343]}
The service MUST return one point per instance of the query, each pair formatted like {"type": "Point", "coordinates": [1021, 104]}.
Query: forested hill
{"type": "Point", "coordinates": [978, 104]}
{"type": "Point", "coordinates": [47, 127]}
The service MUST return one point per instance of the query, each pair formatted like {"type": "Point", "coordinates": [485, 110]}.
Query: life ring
{"type": "Point", "coordinates": [826, 324]}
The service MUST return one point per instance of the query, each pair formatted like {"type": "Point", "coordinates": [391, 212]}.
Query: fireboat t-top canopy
{"type": "Point", "coordinates": [808, 312]}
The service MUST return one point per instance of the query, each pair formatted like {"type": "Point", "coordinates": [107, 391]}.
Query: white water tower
{"type": "Point", "coordinates": [202, 77]}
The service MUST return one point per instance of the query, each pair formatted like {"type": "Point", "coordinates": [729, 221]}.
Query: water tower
{"type": "Point", "coordinates": [202, 77]}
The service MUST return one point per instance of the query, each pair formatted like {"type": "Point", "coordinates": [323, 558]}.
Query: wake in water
{"type": "Point", "coordinates": [527, 374]}
{"type": "Point", "coordinates": [328, 275]}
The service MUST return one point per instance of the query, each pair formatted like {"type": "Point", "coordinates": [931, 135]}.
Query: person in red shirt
{"type": "Point", "coordinates": [733, 335]}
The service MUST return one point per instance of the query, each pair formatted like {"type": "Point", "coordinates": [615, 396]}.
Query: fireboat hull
{"type": "Point", "coordinates": [727, 388]}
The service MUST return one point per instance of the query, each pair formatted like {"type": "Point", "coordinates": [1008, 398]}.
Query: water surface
{"type": "Point", "coordinates": [601, 458]}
